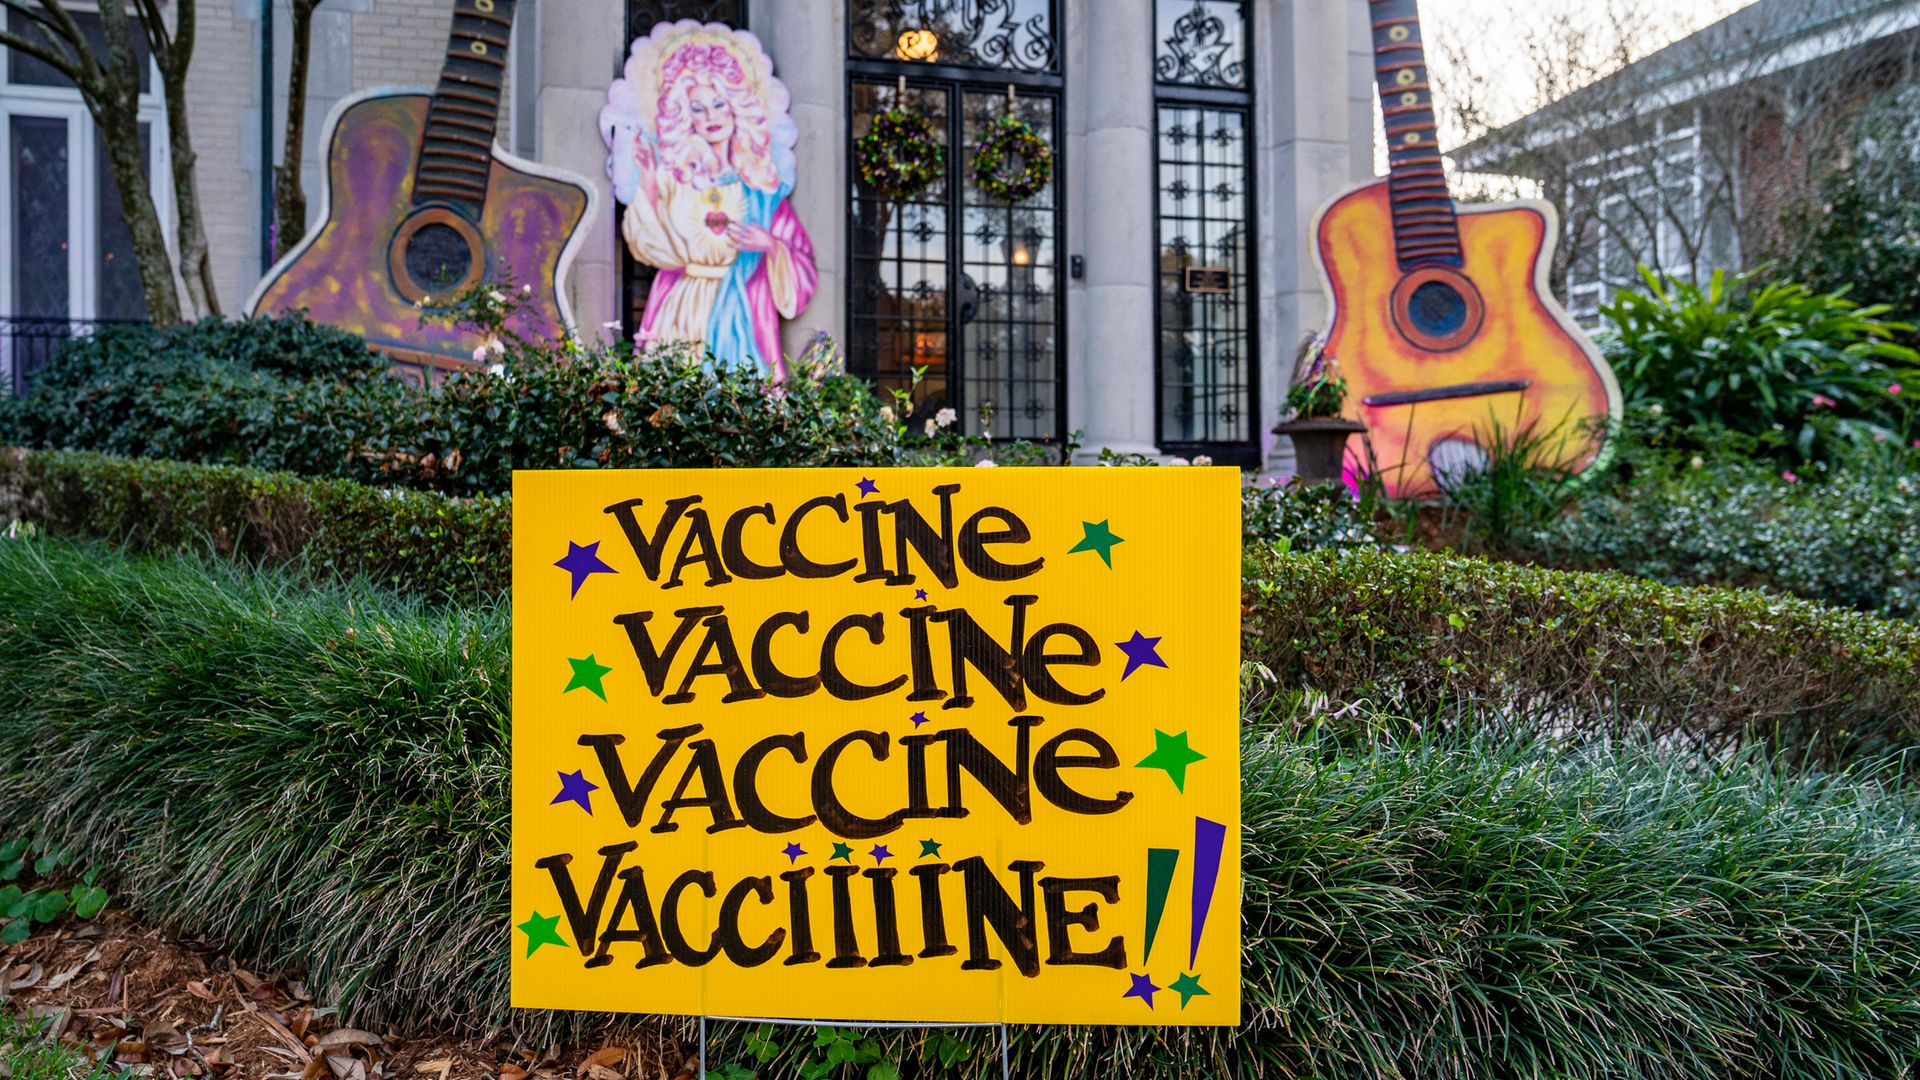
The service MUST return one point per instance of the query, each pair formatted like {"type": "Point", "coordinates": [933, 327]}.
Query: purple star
{"type": "Point", "coordinates": [581, 562]}
{"type": "Point", "coordinates": [919, 594]}
{"type": "Point", "coordinates": [880, 853]}
{"type": "Point", "coordinates": [793, 853]}
{"type": "Point", "coordinates": [1143, 989]}
{"type": "Point", "coordinates": [918, 719]}
{"type": "Point", "coordinates": [868, 487]}
{"type": "Point", "coordinates": [1141, 652]}
{"type": "Point", "coordinates": [575, 787]}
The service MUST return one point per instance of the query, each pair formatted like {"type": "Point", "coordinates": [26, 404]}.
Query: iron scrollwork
{"type": "Point", "coordinates": [644, 15]}
{"type": "Point", "coordinates": [1203, 49]}
{"type": "Point", "coordinates": [1014, 35]}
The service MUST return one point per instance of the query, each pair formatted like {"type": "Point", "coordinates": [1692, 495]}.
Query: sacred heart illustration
{"type": "Point", "coordinates": [717, 222]}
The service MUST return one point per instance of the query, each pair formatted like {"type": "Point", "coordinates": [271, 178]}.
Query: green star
{"type": "Point", "coordinates": [841, 851]}
{"type": "Point", "coordinates": [929, 849]}
{"type": "Point", "coordinates": [541, 931]}
{"type": "Point", "coordinates": [1188, 987]}
{"type": "Point", "coordinates": [587, 673]}
{"type": "Point", "coordinates": [1098, 538]}
{"type": "Point", "coordinates": [1172, 754]}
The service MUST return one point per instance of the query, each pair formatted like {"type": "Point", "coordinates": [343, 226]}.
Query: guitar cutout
{"type": "Point", "coordinates": [1443, 319]}
{"type": "Point", "coordinates": [419, 205]}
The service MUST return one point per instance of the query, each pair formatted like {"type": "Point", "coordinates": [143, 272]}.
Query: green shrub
{"type": "Point", "coordinates": [1306, 517]}
{"type": "Point", "coordinates": [319, 777]}
{"type": "Point", "coordinates": [1759, 358]}
{"type": "Point", "coordinates": [1716, 666]}
{"type": "Point", "coordinates": [419, 542]}
{"type": "Point", "coordinates": [245, 394]}
{"type": "Point", "coordinates": [1849, 538]}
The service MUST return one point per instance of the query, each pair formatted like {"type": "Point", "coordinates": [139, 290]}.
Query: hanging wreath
{"type": "Point", "coordinates": [900, 154]}
{"type": "Point", "coordinates": [1015, 163]}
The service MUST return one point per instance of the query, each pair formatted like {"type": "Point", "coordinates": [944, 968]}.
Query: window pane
{"type": "Point", "coordinates": [900, 268]}
{"type": "Point", "coordinates": [40, 278]}
{"type": "Point", "coordinates": [1201, 43]}
{"type": "Point", "coordinates": [1205, 348]}
{"type": "Point", "coordinates": [24, 70]}
{"type": "Point", "coordinates": [118, 283]}
{"type": "Point", "coordinates": [1011, 262]}
{"type": "Point", "coordinates": [1015, 35]}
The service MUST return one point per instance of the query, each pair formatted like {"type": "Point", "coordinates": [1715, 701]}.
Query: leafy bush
{"type": "Point", "coordinates": [1306, 517]}
{"type": "Point", "coordinates": [319, 777]}
{"type": "Point", "coordinates": [1850, 538]}
{"type": "Point", "coordinates": [232, 394]}
{"type": "Point", "coordinates": [1716, 666]}
{"type": "Point", "coordinates": [419, 542]}
{"type": "Point", "coordinates": [1759, 358]}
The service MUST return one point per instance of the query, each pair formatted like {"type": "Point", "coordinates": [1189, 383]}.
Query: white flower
{"type": "Point", "coordinates": [1202, 461]}
{"type": "Point", "coordinates": [1656, 409]}
{"type": "Point", "coordinates": [1698, 463]}
{"type": "Point", "coordinates": [886, 413]}
{"type": "Point", "coordinates": [497, 369]}
{"type": "Point", "coordinates": [479, 354]}
{"type": "Point", "coordinates": [1179, 461]}
{"type": "Point", "coordinates": [496, 346]}
{"type": "Point", "coordinates": [946, 417]}
{"type": "Point", "coordinates": [526, 290]}
{"type": "Point", "coordinates": [931, 428]}
{"type": "Point", "coordinates": [496, 296]}
{"type": "Point", "coordinates": [987, 464]}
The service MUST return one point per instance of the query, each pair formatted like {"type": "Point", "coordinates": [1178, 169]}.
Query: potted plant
{"type": "Point", "coordinates": [1317, 428]}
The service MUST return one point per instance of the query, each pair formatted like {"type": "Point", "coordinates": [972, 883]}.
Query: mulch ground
{"type": "Point", "coordinates": [160, 1007]}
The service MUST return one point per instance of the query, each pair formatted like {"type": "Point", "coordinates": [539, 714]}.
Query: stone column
{"type": "Point", "coordinates": [808, 45]}
{"type": "Point", "coordinates": [1315, 138]}
{"type": "Point", "coordinates": [582, 47]}
{"type": "Point", "coordinates": [1109, 188]}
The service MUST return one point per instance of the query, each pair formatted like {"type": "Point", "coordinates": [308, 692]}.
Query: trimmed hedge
{"type": "Point", "coordinates": [415, 541]}
{"type": "Point", "coordinates": [1416, 630]}
{"type": "Point", "coordinates": [319, 777]}
{"type": "Point", "coordinates": [1715, 665]}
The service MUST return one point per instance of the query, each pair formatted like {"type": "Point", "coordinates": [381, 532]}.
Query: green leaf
{"type": "Point", "coordinates": [13, 849]}
{"type": "Point", "coordinates": [15, 932]}
{"type": "Point", "coordinates": [883, 1071]}
{"type": "Point", "coordinates": [11, 871]}
{"type": "Point", "coordinates": [9, 896]}
{"type": "Point", "coordinates": [20, 905]}
{"type": "Point", "coordinates": [88, 900]}
{"type": "Point", "coordinates": [50, 906]}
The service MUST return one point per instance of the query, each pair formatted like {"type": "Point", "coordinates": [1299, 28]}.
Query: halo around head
{"type": "Point", "coordinates": [633, 101]}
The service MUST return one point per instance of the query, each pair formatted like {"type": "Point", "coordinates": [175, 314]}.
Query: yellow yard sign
{"type": "Point", "coordinates": [940, 745]}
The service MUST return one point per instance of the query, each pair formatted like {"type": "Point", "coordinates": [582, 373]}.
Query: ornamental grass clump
{"type": "Point", "coordinates": [318, 777]}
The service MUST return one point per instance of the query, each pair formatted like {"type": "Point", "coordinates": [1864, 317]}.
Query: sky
{"type": "Point", "coordinates": [1491, 35]}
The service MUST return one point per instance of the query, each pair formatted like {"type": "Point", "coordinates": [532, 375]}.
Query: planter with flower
{"type": "Point", "coordinates": [1314, 404]}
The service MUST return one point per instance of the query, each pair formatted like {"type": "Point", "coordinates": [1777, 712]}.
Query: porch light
{"type": "Point", "coordinates": [917, 45]}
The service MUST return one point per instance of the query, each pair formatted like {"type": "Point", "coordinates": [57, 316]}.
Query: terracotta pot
{"type": "Point", "coordinates": [1319, 446]}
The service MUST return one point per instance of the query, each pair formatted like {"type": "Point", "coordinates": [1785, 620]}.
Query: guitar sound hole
{"type": "Point", "coordinates": [438, 258]}
{"type": "Point", "coordinates": [1437, 308]}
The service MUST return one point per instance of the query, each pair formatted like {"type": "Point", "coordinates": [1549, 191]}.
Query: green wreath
{"type": "Point", "coordinates": [900, 154]}
{"type": "Point", "coordinates": [1015, 163]}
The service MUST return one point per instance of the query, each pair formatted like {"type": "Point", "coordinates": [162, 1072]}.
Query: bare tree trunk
{"type": "Point", "coordinates": [115, 106]}
{"type": "Point", "coordinates": [289, 197]}
{"type": "Point", "coordinates": [174, 55]}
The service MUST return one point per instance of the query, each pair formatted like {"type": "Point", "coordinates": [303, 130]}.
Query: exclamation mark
{"type": "Point", "coordinates": [1209, 841]}
{"type": "Point", "coordinates": [1160, 864]}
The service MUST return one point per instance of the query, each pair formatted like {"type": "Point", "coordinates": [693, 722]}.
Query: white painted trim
{"type": "Point", "coordinates": [327, 132]}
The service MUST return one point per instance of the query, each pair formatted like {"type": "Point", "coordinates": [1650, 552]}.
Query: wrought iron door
{"type": "Point", "coordinates": [952, 281]}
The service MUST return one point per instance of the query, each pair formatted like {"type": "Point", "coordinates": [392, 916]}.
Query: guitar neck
{"type": "Point", "coordinates": [456, 151]}
{"type": "Point", "coordinates": [1425, 228]}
